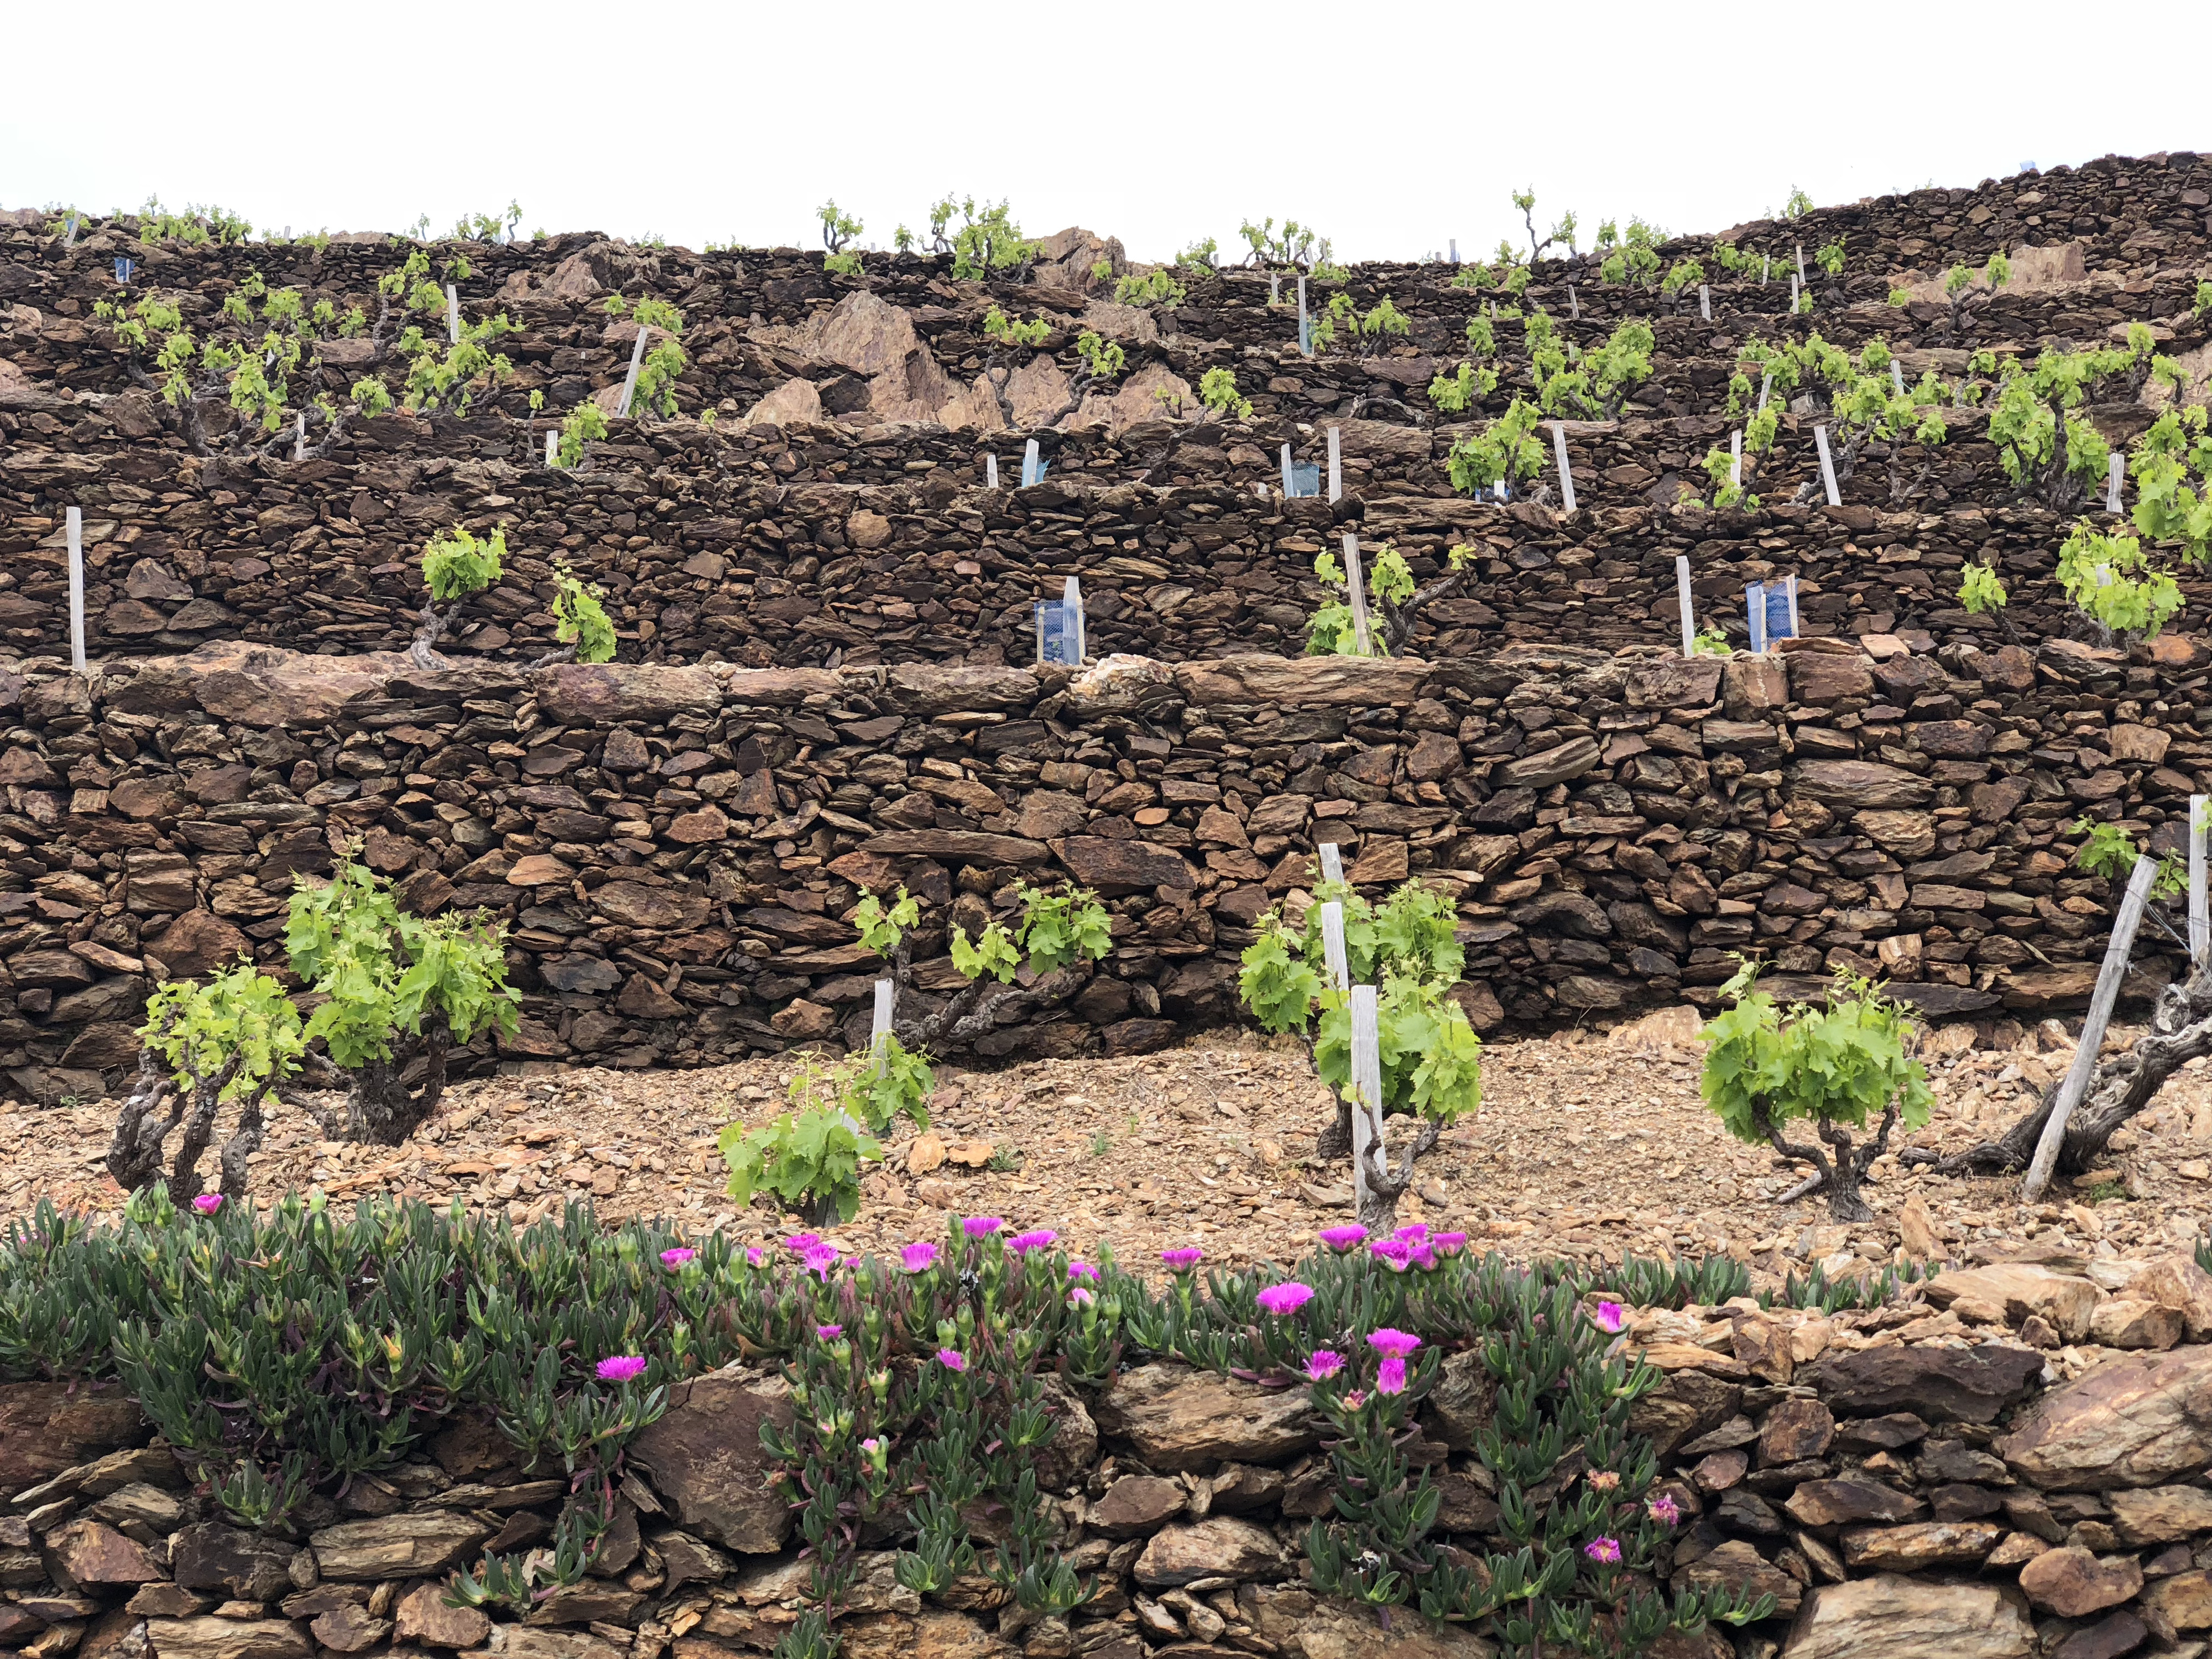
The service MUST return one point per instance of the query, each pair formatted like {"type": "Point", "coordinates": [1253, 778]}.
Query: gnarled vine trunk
{"type": "Point", "coordinates": [156, 1107]}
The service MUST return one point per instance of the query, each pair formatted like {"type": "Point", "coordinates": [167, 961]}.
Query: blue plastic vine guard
{"type": "Point", "coordinates": [1056, 638]}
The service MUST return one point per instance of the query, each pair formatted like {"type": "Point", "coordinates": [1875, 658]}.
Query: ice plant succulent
{"type": "Point", "coordinates": [621, 1368]}
{"type": "Point", "coordinates": [1286, 1299]}
{"type": "Point", "coordinates": [800, 1244]}
{"type": "Point", "coordinates": [1665, 1510]}
{"type": "Point", "coordinates": [1037, 1238]}
{"type": "Point", "coordinates": [1610, 1317]}
{"type": "Point", "coordinates": [953, 1359]}
{"type": "Point", "coordinates": [918, 1258]}
{"type": "Point", "coordinates": [1390, 1376]}
{"type": "Point", "coordinates": [1393, 1344]}
{"type": "Point", "coordinates": [820, 1258]}
{"type": "Point", "coordinates": [679, 1256]}
{"type": "Point", "coordinates": [1184, 1259]}
{"type": "Point", "coordinates": [1340, 1239]}
{"type": "Point", "coordinates": [981, 1226]}
{"type": "Point", "coordinates": [1606, 1552]}
{"type": "Point", "coordinates": [1323, 1363]}
{"type": "Point", "coordinates": [1081, 1270]}
{"type": "Point", "coordinates": [207, 1203]}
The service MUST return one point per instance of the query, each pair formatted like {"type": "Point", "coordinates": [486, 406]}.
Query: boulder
{"type": "Point", "coordinates": [605, 693]}
{"type": "Point", "coordinates": [1795, 1430]}
{"type": "Point", "coordinates": [1137, 1505]}
{"type": "Point", "coordinates": [1844, 1503]}
{"type": "Point", "coordinates": [1179, 1418]}
{"type": "Point", "coordinates": [1297, 1622]}
{"type": "Point", "coordinates": [394, 1546]}
{"type": "Point", "coordinates": [209, 1637]}
{"type": "Point", "coordinates": [1311, 682]}
{"type": "Point", "coordinates": [1220, 1547]}
{"type": "Point", "coordinates": [2161, 1515]}
{"type": "Point", "coordinates": [1862, 784]}
{"type": "Point", "coordinates": [48, 1427]}
{"type": "Point", "coordinates": [2184, 1601]}
{"type": "Point", "coordinates": [423, 1617]}
{"type": "Point", "coordinates": [1740, 1568]}
{"type": "Point", "coordinates": [704, 1457]}
{"type": "Point", "coordinates": [349, 1629]}
{"type": "Point", "coordinates": [2021, 1289]}
{"type": "Point", "coordinates": [2074, 1583]}
{"type": "Point", "coordinates": [1688, 1404]}
{"type": "Point", "coordinates": [2142, 1421]}
{"type": "Point", "coordinates": [1900, 1618]}
{"type": "Point", "coordinates": [1941, 1385]}
{"type": "Point", "coordinates": [1922, 1544]}
{"type": "Point", "coordinates": [87, 1553]}
{"type": "Point", "coordinates": [2177, 1282]}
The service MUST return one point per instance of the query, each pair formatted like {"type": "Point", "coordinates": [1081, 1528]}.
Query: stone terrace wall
{"type": "Point", "coordinates": [883, 549]}
{"type": "Point", "coordinates": [674, 848]}
{"type": "Point", "coordinates": [1905, 1482]}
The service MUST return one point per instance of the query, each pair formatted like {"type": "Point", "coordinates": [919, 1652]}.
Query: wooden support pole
{"type": "Point", "coordinates": [629, 381]}
{"type": "Point", "coordinates": [1335, 953]}
{"type": "Point", "coordinates": [2200, 919]}
{"type": "Point", "coordinates": [1332, 861]}
{"type": "Point", "coordinates": [1366, 1088]}
{"type": "Point", "coordinates": [1567, 470]}
{"type": "Point", "coordinates": [1358, 588]}
{"type": "Point", "coordinates": [76, 526]}
{"type": "Point", "coordinates": [1682, 592]}
{"type": "Point", "coordinates": [1335, 463]}
{"type": "Point", "coordinates": [2101, 1003]}
{"type": "Point", "coordinates": [1827, 465]}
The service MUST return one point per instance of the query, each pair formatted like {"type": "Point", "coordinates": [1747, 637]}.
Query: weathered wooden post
{"type": "Point", "coordinates": [1335, 463]}
{"type": "Point", "coordinates": [1827, 465]}
{"type": "Point", "coordinates": [629, 380]}
{"type": "Point", "coordinates": [75, 525]}
{"type": "Point", "coordinates": [1682, 592]}
{"type": "Point", "coordinates": [1366, 1091]}
{"type": "Point", "coordinates": [2200, 918]}
{"type": "Point", "coordinates": [2101, 1004]}
{"type": "Point", "coordinates": [1358, 588]}
{"type": "Point", "coordinates": [1567, 470]}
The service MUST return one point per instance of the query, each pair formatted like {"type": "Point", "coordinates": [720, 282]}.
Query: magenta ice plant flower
{"type": "Point", "coordinates": [1393, 1253]}
{"type": "Point", "coordinates": [679, 1256]}
{"type": "Point", "coordinates": [1343, 1238]}
{"type": "Point", "coordinates": [1184, 1259]}
{"type": "Point", "coordinates": [918, 1258]}
{"type": "Point", "coordinates": [982, 1226]}
{"type": "Point", "coordinates": [1448, 1243]}
{"type": "Point", "coordinates": [1285, 1298]}
{"type": "Point", "coordinates": [755, 1255]}
{"type": "Point", "coordinates": [1393, 1344]}
{"type": "Point", "coordinates": [800, 1244]}
{"type": "Point", "coordinates": [829, 1332]}
{"type": "Point", "coordinates": [1413, 1232]}
{"type": "Point", "coordinates": [207, 1203]}
{"type": "Point", "coordinates": [1037, 1238]}
{"type": "Point", "coordinates": [1081, 1298]}
{"type": "Point", "coordinates": [1323, 1363]}
{"type": "Point", "coordinates": [820, 1258]}
{"type": "Point", "coordinates": [1610, 1317]}
{"type": "Point", "coordinates": [621, 1368]}
{"type": "Point", "coordinates": [953, 1359]}
{"type": "Point", "coordinates": [1665, 1510]}
{"type": "Point", "coordinates": [1606, 1552]}
{"type": "Point", "coordinates": [1390, 1377]}
{"type": "Point", "coordinates": [1083, 1270]}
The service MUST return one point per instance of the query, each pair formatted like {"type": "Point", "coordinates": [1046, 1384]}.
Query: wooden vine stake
{"type": "Point", "coordinates": [1358, 588]}
{"type": "Point", "coordinates": [1366, 1088]}
{"type": "Point", "coordinates": [552, 449]}
{"type": "Point", "coordinates": [1290, 488]}
{"type": "Point", "coordinates": [76, 587]}
{"type": "Point", "coordinates": [1704, 303]}
{"type": "Point", "coordinates": [1071, 601]}
{"type": "Point", "coordinates": [1334, 951]}
{"type": "Point", "coordinates": [990, 471]}
{"type": "Point", "coordinates": [885, 992]}
{"type": "Point", "coordinates": [1896, 378]}
{"type": "Point", "coordinates": [1566, 471]}
{"type": "Point", "coordinates": [2116, 468]}
{"type": "Point", "coordinates": [1574, 306]}
{"type": "Point", "coordinates": [1682, 590]}
{"type": "Point", "coordinates": [1305, 328]}
{"type": "Point", "coordinates": [2093, 1029]}
{"type": "Point", "coordinates": [1735, 457]}
{"type": "Point", "coordinates": [2200, 918]}
{"type": "Point", "coordinates": [629, 381]}
{"type": "Point", "coordinates": [1335, 463]}
{"type": "Point", "coordinates": [1032, 464]}
{"type": "Point", "coordinates": [300, 437]}
{"type": "Point", "coordinates": [1827, 465]}
{"type": "Point", "coordinates": [453, 322]}
{"type": "Point", "coordinates": [1332, 865]}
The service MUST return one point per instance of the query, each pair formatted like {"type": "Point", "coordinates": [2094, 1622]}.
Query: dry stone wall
{"type": "Point", "coordinates": [674, 848]}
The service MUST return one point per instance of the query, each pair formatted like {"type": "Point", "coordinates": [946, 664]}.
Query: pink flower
{"type": "Point", "coordinates": [1184, 1259]}
{"type": "Point", "coordinates": [1425, 1259]}
{"type": "Point", "coordinates": [1449, 1243]}
{"type": "Point", "coordinates": [677, 1257]}
{"type": "Point", "coordinates": [1395, 1253]}
{"type": "Point", "coordinates": [1285, 1298]}
{"type": "Point", "coordinates": [621, 1368]}
{"type": "Point", "coordinates": [800, 1244]}
{"type": "Point", "coordinates": [1037, 1239]}
{"type": "Point", "coordinates": [1356, 1399]}
{"type": "Point", "coordinates": [918, 1258]}
{"type": "Point", "coordinates": [1665, 1510]}
{"type": "Point", "coordinates": [953, 1359]}
{"type": "Point", "coordinates": [1606, 1552]}
{"type": "Point", "coordinates": [207, 1203]}
{"type": "Point", "coordinates": [1413, 1232]}
{"type": "Point", "coordinates": [1081, 1298]}
{"type": "Point", "coordinates": [1342, 1238]}
{"type": "Point", "coordinates": [1609, 1318]}
{"type": "Point", "coordinates": [1390, 1377]}
{"type": "Point", "coordinates": [1393, 1344]}
{"type": "Point", "coordinates": [1083, 1270]}
{"type": "Point", "coordinates": [820, 1258]}
{"type": "Point", "coordinates": [755, 1255]}
{"type": "Point", "coordinates": [829, 1332]}
{"type": "Point", "coordinates": [981, 1226]}
{"type": "Point", "coordinates": [1323, 1363]}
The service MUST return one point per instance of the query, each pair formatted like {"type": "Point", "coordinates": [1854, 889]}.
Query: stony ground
{"type": "Point", "coordinates": [1586, 1144]}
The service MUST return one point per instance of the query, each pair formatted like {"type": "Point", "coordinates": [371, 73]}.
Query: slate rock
{"type": "Point", "coordinates": [704, 1457]}
{"type": "Point", "coordinates": [1939, 1385]}
{"type": "Point", "coordinates": [2142, 1421]}
{"type": "Point", "coordinates": [1178, 1418]}
{"type": "Point", "coordinates": [1900, 1618]}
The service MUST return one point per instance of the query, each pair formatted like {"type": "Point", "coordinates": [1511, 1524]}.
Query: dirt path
{"type": "Point", "coordinates": [1585, 1144]}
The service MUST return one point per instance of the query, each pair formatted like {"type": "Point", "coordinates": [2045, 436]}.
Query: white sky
{"type": "Point", "coordinates": [1391, 128]}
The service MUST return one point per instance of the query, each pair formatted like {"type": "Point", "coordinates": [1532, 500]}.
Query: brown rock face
{"type": "Point", "coordinates": [1740, 1568]}
{"type": "Point", "coordinates": [1219, 1547]}
{"type": "Point", "coordinates": [1843, 1503]}
{"type": "Point", "coordinates": [2073, 1583]}
{"type": "Point", "coordinates": [1137, 1505]}
{"type": "Point", "coordinates": [394, 1546]}
{"type": "Point", "coordinates": [2177, 1282]}
{"type": "Point", "coordinates": [424, 1617]}
{"type": "Point", "coordinates": [88, 1553]}
{"type": "Point", "coordinates": [47, 1427]}
{"type": "Point", "coordinates": [2184, 1601]}
{"type": "Point", "coordinates": [1941, 1385]}
{"type": "Point", "coordinates": [210, 1637]}
{"type": "Point", "coordinates": [1795, 1430]}
{"type": "Point", "coordinates": [1924, 1544]}
{"type": "Point", "coordinates": [2021, 1289]}
{"type": "Point", "coordinates": [349, 1629]}
{"type": "Point", "coordinates": [704, 1457]}
{"type": "Point", "coordinates": [1178, 1418]}
{"type": "Point", "coordinates": [2162, 1515]}
{"type": "Point", "coordinates": [2136, 1422]}
{"type": "Point", "coordinates": [1900, 1618]}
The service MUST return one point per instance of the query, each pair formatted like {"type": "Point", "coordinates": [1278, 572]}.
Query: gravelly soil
{"type": "Point", "coordinates": [1586, 1144]}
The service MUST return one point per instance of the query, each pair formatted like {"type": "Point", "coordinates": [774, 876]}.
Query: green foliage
{"type": "Point", "coordinates": [1900, 297]}
{"type": "Point", "coordinates": [459, 565]}
{"type": "Point", "coordinates": [386, 973]}
{"type": "Point", "coordinates": [1411, 935]}
{"type": "Point", "coordinates": [2108, 850]}
{"type": "Point", "coordinates": [580, 619]}
{"type": "Point", "coordinates": [1561, 232]}
{"type": "Point", "coordinates": [886, 1081]}
{"type": "Point", "coordinates": [1200, 257]}
{"type": "Point", "coordinates": [1298, 247]}
{"type": "Point", "coordinates": [2113, 580]}
{"type": "Point", "coordinates": [1682, 276]}
{"type": "Point", "coordinates": [1504, 450]}
{"type": "Point", "coordinates": [987, 242]}
{"type": "Point", "coordinates": [837, 229]}
{"type": "Point", "coordinates": [1431, 1057]}
{"type": "Point", "coordinates": [1710, 643]}
{"type": "Point", "coordinates": [489, 227]}
{"type": "Point", "coordinates": [1798, 205]}
{"type": "Point", "coordinates": [997, 325]}
{"type": "Point", "coordinates": [2172, 505]}
{"type": "Point", "coordinates": [1159, 288]}
{"type": "Point", "coordinates": [239, 1019]}
{"type": "Point", "coordinates": [586, 423]}
{"type": "Point", "coordinates": [1384, 320]}
{"type": "Point", "coordinates": [195, 227]}
{"type": "Point", "coordinates": [882, 927]}
{"type": "Point", "coordinates": [1102, 359]}
{"type": "Point", "coordinates": [1465, 387]}
{"type": "Point", "coordinates": [1839, 1064]}
{"type": "Point", "coordinates": [1980, 590]}
{"type": "Point", "coordinates": [1631, 257]}
{"type": "Point", "coordinates": [1217, 389]}
{"type": "Point", "coordinates": [1830, 258]}
{"type": "Point", "coordinates": [2031, 411]}
{"type": "Point", "coordinates": [1060, 928]}
{"type": "Point", "coordinates": [992, 953]}
{"type": "Point", "coordinates": [664, 361]}
{"type": "Point", "coordinates": [810, 1159]}
{"type": "Point", "coordinates": [1597, 383]}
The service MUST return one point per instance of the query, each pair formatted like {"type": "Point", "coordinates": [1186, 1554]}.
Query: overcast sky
{"type": "Point", "coordinates": [1392, 129]}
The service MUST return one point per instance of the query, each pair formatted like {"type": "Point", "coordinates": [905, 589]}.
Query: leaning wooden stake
{"type": "Point", "coordinates": [2200, 918]}
{"type": "Point", "coordinates": [2093, 1029]}
{"type": "Point", "coordinates": [1367, 1101]}
{"type": "Point", "coordinates": [1358, 588]}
